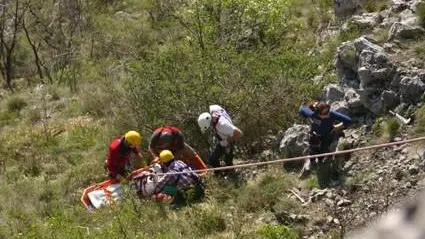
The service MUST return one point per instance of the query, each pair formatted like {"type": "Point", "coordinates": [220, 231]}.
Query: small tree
{"type": "Point", "coordinates": [11, 17]}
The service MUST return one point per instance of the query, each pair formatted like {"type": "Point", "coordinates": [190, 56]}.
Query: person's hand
{"type": "Point", "coordinates": [339, 127]}
{"type": "Point", "coordinates": [337, 130]}
{"type": "Point", "coordinates": [155, 160]}
{"type": "Point", "coordinates": [122, 179]}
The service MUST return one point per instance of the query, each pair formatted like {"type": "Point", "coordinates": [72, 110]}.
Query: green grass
{"type": "Point", "coordinates": [16, 104]}
{"type": "Point", "coordinates": [312, 182]}
{"type": "Point", "coordinates": [277, 232]}
{"type": "Point", "coordinates": [386, 128]}
{"type": "Point", "coordinates": [420, 49]}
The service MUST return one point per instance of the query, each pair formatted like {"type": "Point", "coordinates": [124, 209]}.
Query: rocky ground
{"type": "Point", "coordinates": [377, 72]}
{"type": "Point", "coordinates": [372, 183]}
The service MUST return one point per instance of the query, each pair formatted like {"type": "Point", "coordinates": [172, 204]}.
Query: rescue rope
{"type": "Point", "coordinates": [299, 158]}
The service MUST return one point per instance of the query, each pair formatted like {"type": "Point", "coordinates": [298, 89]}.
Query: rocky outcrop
{"type": "Point", "coordinates": [404, 31]}
{"type": "Point", "coordinates": [412, 88]}
{"type": "Point", "coordinates": [295, 141]}
{"type": "Point", "coordinates": [333, 93]}
{"type": "Point", "coordinates": [365, 71]}
{"type": "Point", "coordinates": [346, 8]}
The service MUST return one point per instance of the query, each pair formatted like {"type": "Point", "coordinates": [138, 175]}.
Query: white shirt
{"type": "Point", "coordinates": [224, 127]}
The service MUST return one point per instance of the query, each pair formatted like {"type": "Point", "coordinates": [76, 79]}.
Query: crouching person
{"type": "Point", "coordinates": [185, 188]}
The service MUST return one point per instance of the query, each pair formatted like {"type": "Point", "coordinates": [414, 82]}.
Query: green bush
{"type": "Point", "coordinates": [375, 5]}
{"type": "Point", "coordinates": [16, 104]}
{"type": "Point", "coordinates": [313, 182]}
{"type": "Point", "coordinates": [419, 127]}
{"type": "Point", "coordinates": [277, 232]}
{"type": "Point", "coordinates": [378, 127]}
{"type": "Point", "coordinates": [421, 14]}
{"type": "Point", "coordinates": [392, 128]}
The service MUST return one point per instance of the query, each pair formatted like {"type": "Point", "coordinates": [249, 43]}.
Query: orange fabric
{"type": "Point", "coordinates": [85, 198]}
{"type": "Point", "coordinates": [197, 164]}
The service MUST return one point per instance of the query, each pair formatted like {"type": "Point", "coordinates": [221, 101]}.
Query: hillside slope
{"type": "Point", "coordinates": [107, 67]}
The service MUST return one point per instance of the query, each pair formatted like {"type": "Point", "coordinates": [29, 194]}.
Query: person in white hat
{"type": "Point", "coordinates": [226, 134]}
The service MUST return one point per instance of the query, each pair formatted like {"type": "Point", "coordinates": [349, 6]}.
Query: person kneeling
{"type": "Point", "coordinates": [186, 186]}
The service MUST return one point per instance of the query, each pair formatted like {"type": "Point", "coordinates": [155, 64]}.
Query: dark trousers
{"type": "Point", "coordinates": [217, 153]}
{"type": "Point", "coordinates": [326, 168]}
{"type": "Point", "coordinates": [320, 144]}
{"type": "Point", "coordinates": [182, 197]}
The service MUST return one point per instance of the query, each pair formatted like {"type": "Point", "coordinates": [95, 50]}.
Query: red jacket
{"type": "Point", "coordinates": [177, 142]}
{"type": "Point", "coordinates": [118, 156]}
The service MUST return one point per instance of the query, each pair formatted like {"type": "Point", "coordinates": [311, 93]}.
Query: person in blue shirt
{"type": "Point", "coordinates": [326, 128]}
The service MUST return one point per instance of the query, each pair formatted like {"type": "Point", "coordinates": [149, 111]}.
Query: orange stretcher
{"type": "Point", "coordinates": [109, 191]}
{"type": "Point", "coordinates": [196, 163]}
{"type": "Point", "coordinates": [105, 190]}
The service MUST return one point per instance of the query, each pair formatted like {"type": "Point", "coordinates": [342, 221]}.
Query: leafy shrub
{"type": "Point", "coordinates": [277, 232]}
{"type": "Point", "coordinates": [419, 128]}
{"type": "Point", "coordinates": [378, 127]}
{"type": "Point", "coordinates": [16, 104]}
{"type": "Point", "coordinates": [375, 5]}
{"type": "Point", "coordinates": [313, 182]}
{"type": "Point", "coordinates": [421, 14]}
{"type": "Point", "coordinates": [392, 128]}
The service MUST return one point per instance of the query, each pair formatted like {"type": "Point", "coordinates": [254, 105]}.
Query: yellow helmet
{"type": "Point", "coordinates": [132, 138]}
{"type": "Point", "coordinates": [166, 156]}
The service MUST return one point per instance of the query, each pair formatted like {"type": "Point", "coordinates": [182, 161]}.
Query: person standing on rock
{"type": "Point", "coordinates": [226, 134]}
{"type": "Point", "coordinates": [326, 128]}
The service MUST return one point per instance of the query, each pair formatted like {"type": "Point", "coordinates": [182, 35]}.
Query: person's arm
{"type": "Point", "coordinates": [306, 111]}
{"type": "Point", "coordinates": [111, 165]}
{"type": "Point", "coordinates": [231, 132]}
{"type": "Point", "coordinates": [141, 162]}
{"type": "Point", "coordinates": [237, 134]}
{"type": "Point", "coordinates": [344, 119]}
{"type": "Point", "coordinates": [153, 151]}
{"type": "Point", "coordinates": [139, 159]}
